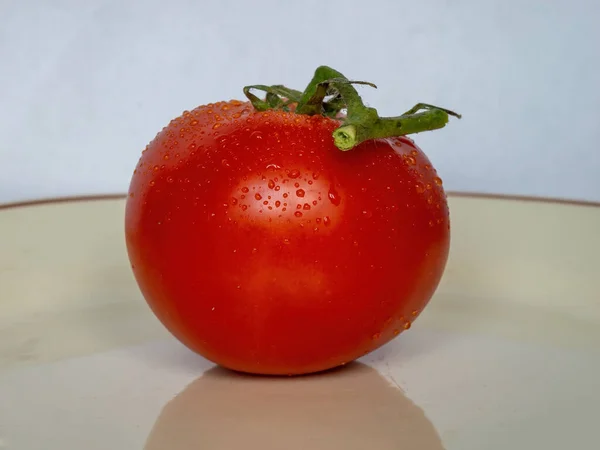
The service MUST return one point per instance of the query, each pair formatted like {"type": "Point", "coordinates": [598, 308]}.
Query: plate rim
{"type": "Point", "coordinates": [458, 194]}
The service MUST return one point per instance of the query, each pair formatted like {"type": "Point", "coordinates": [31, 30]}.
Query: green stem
{"type": "Point", "coordinates": [278, 97]}
{"type": "Point", "coordinates": [312, 97]}
{"type": "Point", "coordinates": [365, 124]}
{"type": "Point", "coordinates": [329, 92]}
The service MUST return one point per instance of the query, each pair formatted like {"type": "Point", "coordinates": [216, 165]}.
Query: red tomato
{"type": "Point", "coordinates": [263, 247]}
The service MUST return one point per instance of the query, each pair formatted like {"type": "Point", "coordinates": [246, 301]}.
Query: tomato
{"type": "Point", "coordinates": [262, 246]}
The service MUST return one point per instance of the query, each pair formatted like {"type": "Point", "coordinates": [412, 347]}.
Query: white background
{"type": "Point", "coordinates": [85, 85]}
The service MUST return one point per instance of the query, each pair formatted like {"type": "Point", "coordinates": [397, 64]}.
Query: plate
{"type": "Point", "coordinates": [506, 355]}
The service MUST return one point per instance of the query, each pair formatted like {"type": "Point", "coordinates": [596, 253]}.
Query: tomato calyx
{"type": "Point", "coordinates": [331, 94]}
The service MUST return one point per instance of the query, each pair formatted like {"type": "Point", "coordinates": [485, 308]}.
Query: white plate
{"type": "Point", "coordinates": [506, 356]}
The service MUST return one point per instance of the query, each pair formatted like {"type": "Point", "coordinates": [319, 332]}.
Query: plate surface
{"type": "Point", "coordinates": [507, 354]}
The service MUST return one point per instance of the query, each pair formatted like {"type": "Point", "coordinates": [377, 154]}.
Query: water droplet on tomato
{"type": "Point", "coordinates": [367, 214]}
{"type": "Point", "coordinates": [306, 206]}
{"type": "Point", "coordinates": [407, 325]}
{"type": "Point", "coordinates": [155, 168]}
{"type": "Point", "coordinates": [224, 163]}
{"type": "Point", "coordinates": [300, 192]}
{"type": "Point", "coordinates": [234, 201]}
{"type": "Point", "coordinates": [396, 332]}
{"type": "Point", "coordinates": [271, 184]}
{"type": "Point", "coordinates": [298, 214]}
{"type": "Point", "coordinates": [419, 187]}
{"type": "Point", "coordinates": [285, 195]}
{"type": "Point", "coordinates": [297, 185]}
{"type": "Point", "coordinates": [438, 181]}
{"type": "Point", "coordinates": [277, 203]}
{"type": "Point", "coordinates": [152, 183]}
{"type": "Point", "coordinates": [216, 126]}
{"type": "Point", "coordinates": [410, 160]}
{"type": "Point", "coordinates": [326, 221]}
{"type": "Point", "coordinates": [333, 196]}
{"type": "Point", "coordinates": [376, 336]}
{"type": "Point", "coordinates": [294, 173]}
{"type": "Point", "coordinates": [244, 207]}
{"type": "Point", "coordinates": [245, 190]}
{"type": "Point", "coordinates": [315, 175]}
{"type": "Point", "coordinates": [257, 196]}
{"type": "Point", "coordinates": [169, 179]}
{"type": "Point", "coordinates": [286, 241]}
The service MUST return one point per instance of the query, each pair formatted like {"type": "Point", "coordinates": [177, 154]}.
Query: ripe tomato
{"type": "Point", "coordinates": [263, 247]}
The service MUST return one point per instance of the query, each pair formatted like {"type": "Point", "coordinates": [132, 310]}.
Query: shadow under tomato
{"type": "Point", "coordinates": [352, 408]}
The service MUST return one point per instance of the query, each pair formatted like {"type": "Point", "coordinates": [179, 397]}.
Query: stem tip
{"type": "Point", "coordinates": [344, 137]}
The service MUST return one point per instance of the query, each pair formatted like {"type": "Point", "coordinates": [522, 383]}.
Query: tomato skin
{"type": "Point", "coordinates": [266, 249]}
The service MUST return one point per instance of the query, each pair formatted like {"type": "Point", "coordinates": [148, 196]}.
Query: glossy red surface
{"type": "Point", "coordinates": [266, 249]}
